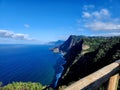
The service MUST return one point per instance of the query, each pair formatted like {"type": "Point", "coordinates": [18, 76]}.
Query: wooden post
{"type": "Point", "coordinates": [113, 82]}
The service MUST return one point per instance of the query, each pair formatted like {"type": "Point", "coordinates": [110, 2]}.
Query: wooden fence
{"type": "Point", "coordinates": [96, 79]}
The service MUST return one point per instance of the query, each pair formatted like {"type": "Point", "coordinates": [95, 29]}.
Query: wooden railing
{"type": "Point", "coordinates": [96, 79]}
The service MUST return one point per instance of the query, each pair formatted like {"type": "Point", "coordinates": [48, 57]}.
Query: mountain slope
{"type": "Point", "coordinates": [71, 41]}
{"type": "Point", "coordinates": [87, 55]}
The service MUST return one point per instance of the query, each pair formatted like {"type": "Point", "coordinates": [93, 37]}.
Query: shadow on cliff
{"type": "Point", "coordinates": [86, 64]}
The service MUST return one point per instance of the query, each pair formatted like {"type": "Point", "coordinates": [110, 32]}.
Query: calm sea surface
{"type": "Point", "coordinates": [35, 63]}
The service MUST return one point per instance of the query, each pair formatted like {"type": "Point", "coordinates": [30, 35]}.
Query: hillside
{"type": "Point", "coordinates": [85, 55]}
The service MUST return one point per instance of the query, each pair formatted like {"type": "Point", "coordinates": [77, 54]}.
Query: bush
{"type": "Point", "coordinates": [23, 86]}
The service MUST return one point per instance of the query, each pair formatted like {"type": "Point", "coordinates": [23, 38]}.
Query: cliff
{"type": "Point", "coordinates": [71, 41]}
{"type": "Point", "coordinates": [66, 46]}
{"type": "Point", "coordinates": [85, 55]}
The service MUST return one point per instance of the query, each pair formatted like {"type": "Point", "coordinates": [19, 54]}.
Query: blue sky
{"type": "Point", "coordinates": [40, 21]}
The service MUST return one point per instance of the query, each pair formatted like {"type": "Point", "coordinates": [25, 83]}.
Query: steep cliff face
{"type": "Point", "coordinates": [87, 55]}
{"type": "Point", "coordinates": [70, 42]}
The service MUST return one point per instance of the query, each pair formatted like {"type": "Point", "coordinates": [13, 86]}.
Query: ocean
{"type": "Point", "coordinates": [34, 63]}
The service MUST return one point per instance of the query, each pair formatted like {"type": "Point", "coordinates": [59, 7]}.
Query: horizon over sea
{"type": "Point", "coordinates": [34, 63]}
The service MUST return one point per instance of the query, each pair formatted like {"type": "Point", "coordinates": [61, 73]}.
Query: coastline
{"type": "Point", "coordinates": [59, 68]}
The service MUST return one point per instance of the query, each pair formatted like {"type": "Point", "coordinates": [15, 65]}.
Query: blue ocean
{"type": "Point", "coordinates": [35, 63]}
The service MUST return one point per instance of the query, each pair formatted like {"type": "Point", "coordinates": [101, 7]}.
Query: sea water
{"type": "Point", "coordinates": [34, 63]}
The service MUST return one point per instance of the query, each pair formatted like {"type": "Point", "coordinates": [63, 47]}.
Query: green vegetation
{"type": "Point", "coordinates": [23, 86]}
{"type": "Point", "coordinates": [102, 46]}
{"type": "Point", "coordinates": [110, 47]}
{"type": "Point", "coordinates": [94, 42]}
{"type": "Point", "coordinates": [96, 53]}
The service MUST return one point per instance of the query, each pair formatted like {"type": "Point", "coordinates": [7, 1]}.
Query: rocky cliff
{"type": "Point", "coordinates": [71, 41]}
{"type": "Point", "coordinates": [85, 55]}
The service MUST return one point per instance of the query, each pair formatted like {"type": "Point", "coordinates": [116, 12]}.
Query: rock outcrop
{"type": "Point", "coordinates": [70, 42]}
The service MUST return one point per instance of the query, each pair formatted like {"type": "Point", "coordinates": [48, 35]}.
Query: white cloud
{"type": "Point", "coordinates": [96, 14]}
{"type": "Point", "coordinates": [107, 34]}
{"type": "Point", "coordinates": [86, 15]}
{"type": "Point", "coordinates": [26, 25]}
{"type": "Point", "coordinates": [113, 34]}
{"type": "Point", "coordinates": [103, 13]}
{"type": "Point", "coordinates": [10, 34]}
{"type": "Point", "coordinates": [20, 36]}
{"type": "Point", "coordinates": [5, 33]}
{"type": "Point", "coordinates": [100, 20]}
{"type": "Point", "coordinates": [86, 7]}
{"type": "Point", "coordinates": [103, 26]}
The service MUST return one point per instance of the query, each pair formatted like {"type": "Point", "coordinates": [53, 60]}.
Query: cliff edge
{"type": "Point", "coordinates": [85, 55]}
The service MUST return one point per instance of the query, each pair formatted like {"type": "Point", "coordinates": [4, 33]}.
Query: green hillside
{"type": "Point", "coordinates": [87, 55]}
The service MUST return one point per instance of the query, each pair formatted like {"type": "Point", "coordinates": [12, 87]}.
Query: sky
{"type": "Point", "coordinates": [41, 21]}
